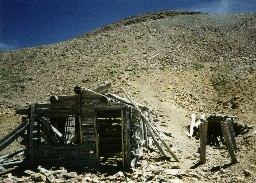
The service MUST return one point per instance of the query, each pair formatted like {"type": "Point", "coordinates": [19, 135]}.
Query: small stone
{"type": "Point", "coordinates": [175, 166]}
{"type": "Point", "coordinates": [70, 175]}
{"type": "Point", "coordinates": [174, 172]}
{"type": "Point", "coordinates": [87, 179]}
{"type": "Point", "coordinates": [144, 163]}
{"type": "Point", "coordinates": [29, 172]}
{"type": "Point", "coordinates": [155, 120]}
{"type": "Point", "coordinates": [247, 173]}
{"type": "Point", "coordinates": [120, 174]}
{"type": "Point", "coordinates": [222, 170]}
{"type": "Point", "coordinates": [20, 179]}
{"type": "Point", "coordinates": [38, 177]}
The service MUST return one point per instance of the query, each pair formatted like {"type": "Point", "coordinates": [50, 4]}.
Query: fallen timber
{"type": "Point", "coordinates": [88, 128]}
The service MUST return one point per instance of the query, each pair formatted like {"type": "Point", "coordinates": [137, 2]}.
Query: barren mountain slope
{"type": "Point", "coordinates": [174, 62]}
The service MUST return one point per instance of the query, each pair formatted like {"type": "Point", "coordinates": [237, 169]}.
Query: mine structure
{"type": "Point", "coordinates": [87, 129]}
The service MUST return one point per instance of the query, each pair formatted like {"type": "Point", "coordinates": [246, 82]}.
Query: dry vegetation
{"type": "Point", "coordinates": [175, 62]}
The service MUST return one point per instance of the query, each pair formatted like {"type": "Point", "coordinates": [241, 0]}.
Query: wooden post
{"type": "Point", "coordinates": [203, 129]}
{"type": "Point", "coordinates": [232, 132]}
{"type": "Point", "coordinates": [38, 132]}
{"type": "Point", "coordinates": [127, 133]}
{"type": "Point", "coordinates": [96, 137]}
{"type": "Point", "coordinates": [123, 138]}
{"type": "Point", "coordinates": [145, 129]}
{"type": "Point", "coordinates": [31, 132]}
{"type": "Point", "coordinates": [227, 136]}
{"type": "Point", "coordinates": [80, 118]}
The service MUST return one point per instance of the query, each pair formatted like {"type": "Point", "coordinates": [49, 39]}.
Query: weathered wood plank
{"type": "Point", "coordinates": [84, 112]}
{"type": "Point", "coordinates": [87, 120]}
{"type": "Point", "coordinates": [11, 163]}
{"type": "Point", "coordinates": [48, 136]}
{"type": "Point", "coordinates": [127, 117]}
{"type": "Point", "coordinates": [31, 134]}
{"type": "Point", "coordinates": [89, 162]}
{"type": "Point", "coordinates": [109, 114]}
{"type": "Point", "coordinates": [203, 129]}
{"type": "Point", "coordinates": [56, 112]}
{"type": "Point", "coordinates": [13, 135]}
{"type": "Point", "coordinates": [103, 88]}
{"type": "Point", "coordinates": [67, 147]}
{"type": "Point", "coordinates": [89, 138]}
{"type": "Point", "coordinates": [92, 100]}
{"type": "Point", "coordinates": [56, 106]}
{"type": "Point", "coordinates": [232, 133]}
{"type": "Point", "coordinates": [228, 140]}
{"type": "Point", "coordinates": [64, 99]}
{"type": "Point", "coordinates": [75, 137]}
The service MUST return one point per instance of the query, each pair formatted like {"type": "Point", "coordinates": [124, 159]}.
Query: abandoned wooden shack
{"type": "Point", "coordinates": [86, 129]}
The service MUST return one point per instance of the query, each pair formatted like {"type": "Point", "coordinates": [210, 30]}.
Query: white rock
{"type": "Point", "coordinates": [174, 172]}
{"type": "Point", "coordinates": [174, 181]}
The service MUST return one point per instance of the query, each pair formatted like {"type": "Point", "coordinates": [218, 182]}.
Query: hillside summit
{"type": "Point", "coordinates": [175, 62]}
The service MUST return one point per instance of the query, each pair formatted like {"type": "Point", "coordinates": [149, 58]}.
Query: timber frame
{"type": "Point", "coordinates": [84, 130]}
{"type": "Point", "coordinates": [88, 129]}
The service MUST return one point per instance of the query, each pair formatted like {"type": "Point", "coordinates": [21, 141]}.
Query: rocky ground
{"type": "Point", "coordinates": [174, 62]}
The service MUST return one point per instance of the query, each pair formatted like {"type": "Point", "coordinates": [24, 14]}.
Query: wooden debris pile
{"type": "Point", "coordinates": [88, 129]}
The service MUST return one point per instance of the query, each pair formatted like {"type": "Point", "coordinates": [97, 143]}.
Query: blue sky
{"type": "Point", "coordinates": [27, 23]}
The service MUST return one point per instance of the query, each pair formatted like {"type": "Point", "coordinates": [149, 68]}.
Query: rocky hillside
{"type": "Point", "coordinates": [174, 62]}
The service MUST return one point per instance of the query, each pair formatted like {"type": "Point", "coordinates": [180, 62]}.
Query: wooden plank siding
{"type": "Point", "coordinates": [79, 130]}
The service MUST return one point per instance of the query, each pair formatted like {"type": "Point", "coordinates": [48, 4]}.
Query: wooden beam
{"type": "Point", "coordinates": [11, 163]}
{"type": "Point", "coordinates": [56, 112]}
{"type": "Point", "coordinates": [13, 135]}
{"type": "Point", "coordinates": [232, 132]}
{"type": "Point", "coordinates": [227, 136]}
{"type": "Point", "coordinates": [31, 133]}
{"type": "Point", "coordinates": [144, 127]}
{"type": "Point", "coordinates": [127, 101]}
{"type": "Point", "coordinates": [80, 120]}
{"type": "Point", "coordinates": [47, 174]}
{"type": "Point", "coordinates": [52, 129]}
{"type": "Point", "coordinates": [103, 88]}
{"type": "Point", "coordinates": [96, 140]}
{"type": "Point", "coordinates": [123, 137]}
{"type": "Point", "coordinates": [9, 156]}
{"type": "Point", "coordinates": [47, 135]}
{"type": "Point", "coordinates": [75, 137]}
{"type": "Point", "coordinates": [203, 129]}
{"type": "Point", "coordinates": [127, 136]}
{"type": "Point", "coordinates": [151, 133]}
